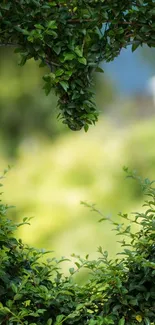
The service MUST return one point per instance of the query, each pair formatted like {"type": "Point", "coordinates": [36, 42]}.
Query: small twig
{"type": "Point", "coordinates": [48, 65]}
{"type": "Point", "coordinates": [8, 44]}
{"type": "Point", "coordinates": [75, 21]}
{"type": "Point", "coordinates": [51, 63]}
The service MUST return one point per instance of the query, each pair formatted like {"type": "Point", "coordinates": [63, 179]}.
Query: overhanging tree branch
{"type": "Point", "coordinates": [67, 36]}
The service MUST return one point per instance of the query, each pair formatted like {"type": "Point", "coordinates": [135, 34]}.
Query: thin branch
{"type": "Point", "coordinates": [8, 44]}
{"type": "Point", "coordinates": [51, 62]}
{"type": "Point", "coordinates": [76, 21]}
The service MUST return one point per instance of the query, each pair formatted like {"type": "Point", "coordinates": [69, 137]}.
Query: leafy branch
{"type": "Point", "coordinates": [53, 31]}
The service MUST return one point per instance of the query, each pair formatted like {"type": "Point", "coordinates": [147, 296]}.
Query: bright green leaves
{"type": "Point", "coordinates": [82, 60]}
{"type": "Point", "coordinates": [59, 72]}
{"type": "Point", "coordinates": [38, 26]}
{"type": "Point", "coordinates": [78, 51]}
{"type": "Point", "coordinates": [50, 29]}
{"type": "Point", "coordinates": [35, 35]}
{"type": "Point", "coordinates": [69, 56]}
{"type": "Point", "coordinates": [51, 24]}
{"type": "Point", "coordinates": [75, 36]}
{"type": "Point", "coordinates": [40, 32]}
{"type": "Point", "coordinates": [59, 320]}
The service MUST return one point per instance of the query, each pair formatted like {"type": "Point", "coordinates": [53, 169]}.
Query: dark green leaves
{"type": "Point", "coordinates": [76, 36]}
{"type": "Point", "coordinates": [135, 46]}
{"type": "Point", "coordinates": [119, 291]}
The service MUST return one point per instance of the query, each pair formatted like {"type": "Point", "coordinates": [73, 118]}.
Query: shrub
{"type": "Point", "coordinates": [119, 292]}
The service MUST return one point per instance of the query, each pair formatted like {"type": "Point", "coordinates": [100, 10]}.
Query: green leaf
{"type": "Point", "coordinates": [93, 322]}
{"type": "Point", "coordinates": [59, 320]}
{"type": "Point", "coordinates": [52, 24]}
{"type": "Point", "coordinates": [71, 270]}
{"type": "Point", "coordinates": [133, 302]}
{"type": "Point", "coordinates": [147, 321]}
{"type": "Point", "coordinates": [121, 321]}
{"type": "Point", "coordinates": [21, 30]}
{"type": "Point", "coordinates": [27, 303]}
{"type": "Point", "coordinates": [5, 6]}
{"type": "Point", "coordinates": [78, 51]}
{"type": "Point", "coordinates": [52, 4]}
{"type": "Point", "coordinates": [86, 127]}
{"type": "Point", "coordinates": [4, 310]}
{"type": "Point", "coordinates": [82, 60]}
{"type": "Point", "coordinates": [98, 69]}
{"type": "Point", "coordinates": [49, 322]}
{"type": "Point", "coordinates": [47, 87]}
{"type": "Point", "coordinates": [64, 85]}
{"type": "Point", "coordinates": [52, 32]}
{"type": "Point", "coordinates": [135, 46]}
{"type": "Point", "coordinates": [69, 56]}
{"type": "Point", "coordinates": [14, 287]}
{"type": "Point", "coordinates": [18, 296]}
{"type": "Point", "coordinates": [57, 49]}
{"type": "Point", "coordinates": [38, 26]}
{"type": "Point", "coordinates": [59, 72]}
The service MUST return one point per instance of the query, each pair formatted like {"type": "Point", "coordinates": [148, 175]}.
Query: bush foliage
{"type": "Point", "coordinates": [72, 38]}
{"type": "Point", "coordinates": [119, 292]}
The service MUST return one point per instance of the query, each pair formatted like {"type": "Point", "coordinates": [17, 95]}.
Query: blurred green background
{"type": "Point", "coordinates": [55, 168]}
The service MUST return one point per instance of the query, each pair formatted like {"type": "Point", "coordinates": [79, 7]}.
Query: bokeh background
{"type": "Point", "coordinates": [53, 168]}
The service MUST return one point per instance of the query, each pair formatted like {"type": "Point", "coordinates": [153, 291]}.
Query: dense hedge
{"type": "Point", "coordinates": [72, 38]}
{"type": "Point", "coordinates": [119, 292]}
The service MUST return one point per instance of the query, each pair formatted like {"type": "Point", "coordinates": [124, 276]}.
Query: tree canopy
{"type": "Point", "coordinates": [72, 38]}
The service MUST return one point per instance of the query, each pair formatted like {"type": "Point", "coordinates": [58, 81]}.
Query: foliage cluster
{"type": "Point", "coordinates": [72, 38]}
{"type": "Point", "coordinates": [25, 112]}
{"type": "Point", "coordinates": [119, 292]}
